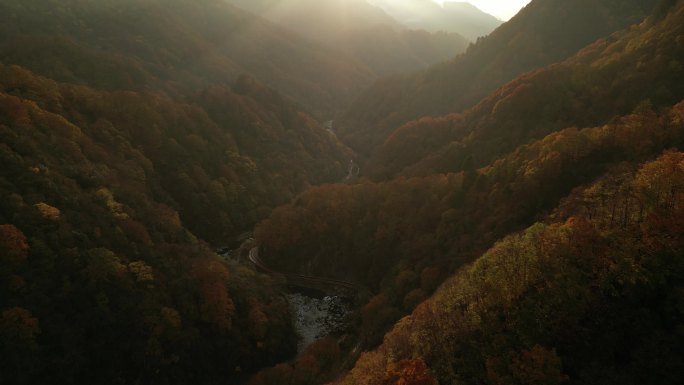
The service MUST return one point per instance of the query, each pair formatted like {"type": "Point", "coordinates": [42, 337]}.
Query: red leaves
{"type": "Point", "coordinates": [13, 244]}
{"type": "Point", "coordinates": [409, 372]}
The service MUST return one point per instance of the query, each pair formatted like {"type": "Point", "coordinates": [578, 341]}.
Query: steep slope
{"type": "Point", "coordinates": [592, 296]}
{"type": "Point", "coordinates": [143, 144]}
{"type": "Point", "coordinates": [175, 46]}
{"type": "Point", "coordinates": [362, 31]}
{"type": "Point", "coordinates": [225, 159]}
{"type": "Point", "coordinates": [545, 32]}
{"type": "Point", "coordinates": [401, 238]}
{"type": "Point", "coordinates": [609, 78]}
{"type": "Point", "coordinates": [101, 279]}
{"type": "Point", "coordinates": [460, 17]}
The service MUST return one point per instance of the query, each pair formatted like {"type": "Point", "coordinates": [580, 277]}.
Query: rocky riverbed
{"type": "Point", "coordinates": [315, 317]}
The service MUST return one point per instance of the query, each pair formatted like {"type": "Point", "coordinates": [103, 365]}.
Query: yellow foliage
{"type": "Point", "coordinates": [114, 207]}
{"type": "Point", "coordinates": [48, 212]}
{"type": "Point", "coordinates": [141, 271]}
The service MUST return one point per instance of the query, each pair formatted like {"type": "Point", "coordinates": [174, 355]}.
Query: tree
{"type": "Point", "coordinates": [409, 372]}
{"type": "Point", "coordinates": [13, 245]}
{"type": "Point", "coordinates": [18, 349]}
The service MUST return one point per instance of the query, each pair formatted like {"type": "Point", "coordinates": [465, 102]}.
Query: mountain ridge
{"type": "Point", "coordinates": [360, 30]}
{"type": "Point", "coordinates": [458, 17]}
{"type": "Point", "coordinates": [595, 91]}
{"type": "Point", "coordinates": [530, 40]}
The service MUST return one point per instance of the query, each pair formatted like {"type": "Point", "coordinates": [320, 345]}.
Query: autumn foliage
{"type": "Point", "coordinates": [13, 244]}
{"type": "Point", "coordinates": [535, 238]}
{"type": "Point", "coordinates": [525, 311]}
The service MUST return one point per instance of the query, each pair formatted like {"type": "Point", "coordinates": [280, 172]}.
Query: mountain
{"type": "Point", "coordinates": [604, 257]}
{"type": "Point", "coordinates": [390, 50]}
{"type": "Point", "coordinates": [137, 146]}
{"type": "Point", "coordinates": [459, 17]}
{"type": "Point", "coordinates": [564, 223]}
{"type": "Point", "coordinates": [176, 46]}
{"type": "Point", "coordinates": [544, 32]}
{"type": "Point", "coordinates": [324, 20]}
{"type": "Point", "coordinates": [525, 311]}
{"type": "Point", "coordinates": [103, 277]}
{"type": "Point", "coordinates": [611, 77]}
{"type": "Point", "coordinates": [360, 30]}
{"type": "Point", "coordinates": [532, 237]}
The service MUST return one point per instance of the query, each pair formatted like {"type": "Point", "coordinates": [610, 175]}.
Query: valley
{"type": "Point", "coordinates": [395, 192]}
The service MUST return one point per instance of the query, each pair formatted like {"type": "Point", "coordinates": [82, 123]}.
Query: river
{"type": "Point", "coordinates": [317, 316]}
{"type": "Point", "coordinates": [314, 315]}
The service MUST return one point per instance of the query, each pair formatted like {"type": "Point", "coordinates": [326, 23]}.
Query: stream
{"type": "Point", "coordinates": [314, 315]}
{"type": "Point", "coordinates": [317, 316]}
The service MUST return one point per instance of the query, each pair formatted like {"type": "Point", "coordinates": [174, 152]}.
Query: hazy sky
{"type": "Point", "coordinates": [503, 9]}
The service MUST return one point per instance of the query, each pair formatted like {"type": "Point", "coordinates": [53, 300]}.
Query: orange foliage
{"type": "Point", "coordinates": [216, 305]}
{"type": "Point", "coordinates": [136, 231]}
{"type": "Point", "coordinates": [19, 323]}
{"type": "Point", "coordinates": [48, 212]}
{"type": "Point", "coordinates": [258, 322]}
{"type": "Point", "coordinates": [409, 372]}
{"type": "Point", "coordinates": [13, 244]}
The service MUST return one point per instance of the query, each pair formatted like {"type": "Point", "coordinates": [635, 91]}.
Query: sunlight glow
{"type": "Point", "coordinates": [503, 9]}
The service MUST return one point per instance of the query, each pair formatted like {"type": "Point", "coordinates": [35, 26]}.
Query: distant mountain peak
{"type": "Point", "coordinates": [460, 5]}
{"type": "Point", "coordinates": [453, 16]}
{"type": "Point", "coordinates": [469, 9]}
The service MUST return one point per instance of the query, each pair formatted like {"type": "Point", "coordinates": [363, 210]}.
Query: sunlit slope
{"type": "Point", "coordinates": [545, 32]}
{"type": "Point", "coordinates": [360, 30]}
{"type": "Point", "coordinates": [175, 46]}
{"type": "Point", "coordinates": [403, 236]}
{"type": "Point", "coordinates": [324, 20]}
{"type": "Point", "coordinates": [608, 78]}
{"type": "Point", "coordinates": [591, 296]}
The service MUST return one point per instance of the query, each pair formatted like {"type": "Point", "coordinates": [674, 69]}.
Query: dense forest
{"type": "Point", "coordinates": [105, 195]}
{"type": "Point", "coordinates": [177, 46]}
{"type": "Point", "coordinates": [608, 78]}
{"type": "Point", "coordinates": [114, 177]}
{"type": "Point", "coordinates": [517, 217]}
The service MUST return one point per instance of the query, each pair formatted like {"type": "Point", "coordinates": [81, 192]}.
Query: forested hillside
{"type": "Point", "coordinates": [176, 46]}
{"type": "Point", "coordinates": [101, 279]}
{"type": "Point", "coordinates": [517, 220]}
{"type": "Point", "coordinates": [611, 77]}
{"type": "Point", "coordinates": [403, 237]}
{"type": "Point", "coordinates": [117, 168]}
{"type": "Point", "coordinates": [487, 324]}
{"type": "Point", "coordinates": [546, 31]}
{"type": "Point", "coordinates": [591, 296]}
